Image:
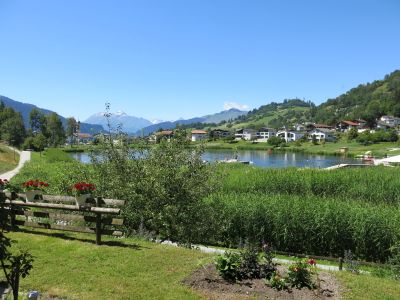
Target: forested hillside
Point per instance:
(367, 101)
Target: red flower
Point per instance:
(312, 262)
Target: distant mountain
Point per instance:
(225, 115)
(25, 109)
(130, 124)
(214, 118)
(156, 121)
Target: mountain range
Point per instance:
(130, 124)
(139, 126)
(225, 115)
(25, 109)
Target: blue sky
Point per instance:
(172, 59)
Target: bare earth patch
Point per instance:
(207, 281)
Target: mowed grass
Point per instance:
(368, 287)
(7, 161)
(71, 266)
(74, 268)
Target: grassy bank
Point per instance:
(354, 148)
(7, 161)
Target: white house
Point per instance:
(390, 121)
(246, 134)
(321, 134)
(198, 135)
(265, 133)
(289, 135)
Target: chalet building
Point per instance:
(321, 134)
(322, 126)
(346, 125)
(158, 136)
(264, 134)
(83, 138)
(219, 133)
(290, 135)
(245, 134)
(199, 135)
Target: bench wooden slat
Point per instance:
(67, 217)
(102, 210)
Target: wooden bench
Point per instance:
(50, 213)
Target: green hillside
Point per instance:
(276, 115)
(367, 101)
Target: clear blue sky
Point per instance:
(171, 59)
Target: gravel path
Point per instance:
(24, 156)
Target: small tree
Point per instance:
(15, 266)
(352, 134)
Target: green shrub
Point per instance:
(228, 266)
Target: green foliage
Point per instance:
(54, 130)
(12, 127)
(278, 282)
(247, 264)
(16, 265)
(37, 121)
(366, 137)
(228, 266)
(164, 186)
(275, 141)
(250, 266)
(352, 134)
(394, 260)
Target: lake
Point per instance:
(263, 158)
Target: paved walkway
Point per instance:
(24, 156)
(278, 260)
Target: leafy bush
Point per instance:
(250, 266)
(394, 260)
(228, 266)
(278, 282)
(234, 266)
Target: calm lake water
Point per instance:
(264, 158)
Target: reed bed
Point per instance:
(375, 184)
(308, 224)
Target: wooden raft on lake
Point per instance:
(50, 213)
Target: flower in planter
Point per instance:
(83, 192)
(82, 188)
(33, 189)
(35, 185)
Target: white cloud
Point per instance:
(229, 105)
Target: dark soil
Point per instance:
(207, 281)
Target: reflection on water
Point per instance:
(264, 158)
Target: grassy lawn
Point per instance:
(71, 265)
(7, 161)
(367, 287)
(75, 268)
